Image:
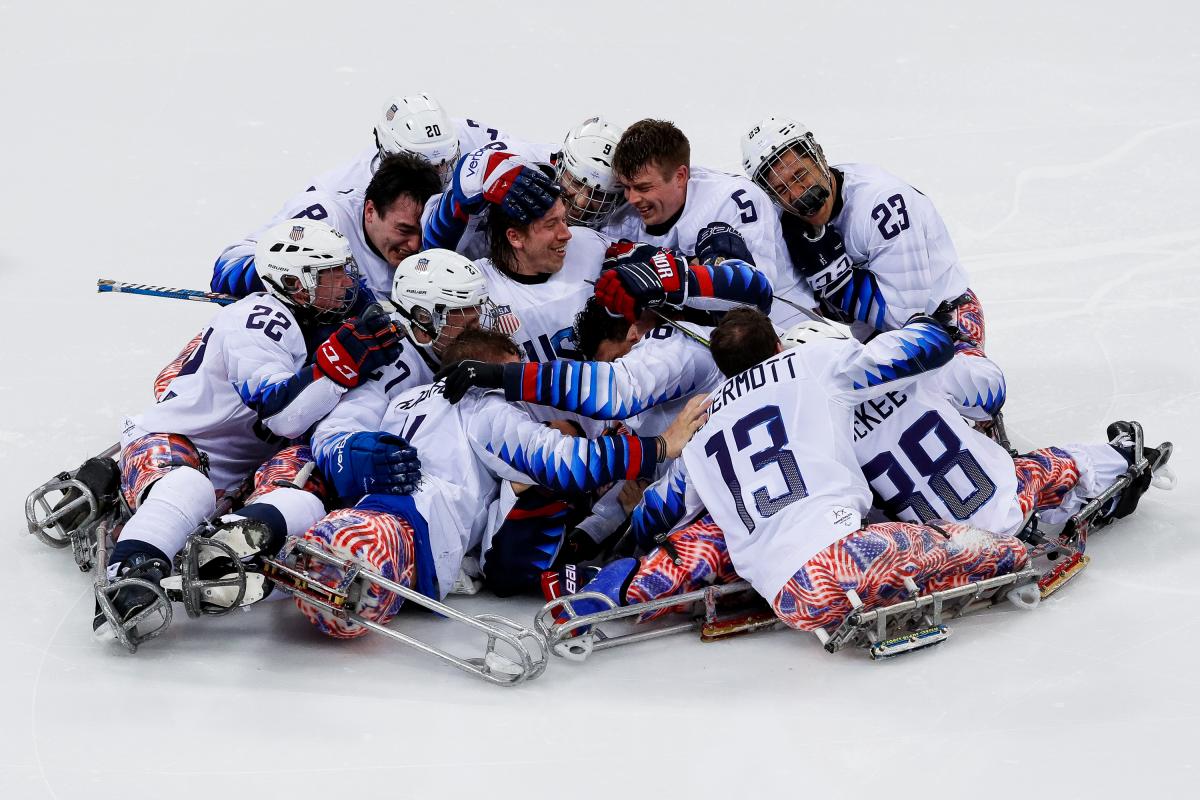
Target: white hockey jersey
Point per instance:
(343, 211)
(894, 231)
(357, 173)
(774, 465)
(237, 397)
(467, 448)
(924, 462)
(714, 196)
(539, 314)
(363, 407)
(645, 388)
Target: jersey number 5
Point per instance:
(747, 206)
(773, 455)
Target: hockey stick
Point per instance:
(108, 285)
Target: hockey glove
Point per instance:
(460, 377)
(522, 191)
(618, 252)
(657, 279)
(373, 462)
(822, 260)
(359, 346)
(718, 241)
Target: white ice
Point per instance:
(1059, 141)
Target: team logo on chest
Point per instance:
(506, 322)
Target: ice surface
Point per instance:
(1059, 141)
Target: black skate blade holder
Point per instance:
(45, 522)
(524, 656)
(579, 635)
(1081, 524)
(920, 621)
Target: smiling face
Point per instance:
(657, 194)
(396, 231)
(542, 246)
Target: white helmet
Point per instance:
(307, 264)
(417, 124)
(440, 293)
(766, 144)
(584, 170)
(810, 330)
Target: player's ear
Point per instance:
(370, 212)
(514, 239)
(681, 174)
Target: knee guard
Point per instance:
(972, 554)
(151, 457)
(382, 543)
(282, 470)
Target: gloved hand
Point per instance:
(617, 253)
(520, 189)
(646, 279)
(462, 376)
(822, 260)
(718, 241)
(359, 346)
(373, 462)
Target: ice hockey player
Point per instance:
(873, 249)
(382, 223)
(439, 295)
(414, 124)
(263, 374)
(775, 468)
(467, 449)
(925, 463)
(671, 202)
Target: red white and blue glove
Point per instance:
(646, 277)
(520, 189)
(360, 345)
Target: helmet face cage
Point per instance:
(327, 299)
(443, 324)
(796, 163)
(587, 204)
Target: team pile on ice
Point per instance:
(466, 361)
